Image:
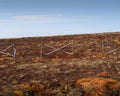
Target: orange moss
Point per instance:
(97, 86)
(102, 56)
(32, 89)
(19, 93)
(104, 73)
(24, 86)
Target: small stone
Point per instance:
(3, 66)
(21, 75)
(14, 82)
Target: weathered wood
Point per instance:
(8, 54)
(60, 48)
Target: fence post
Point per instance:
(41, 50)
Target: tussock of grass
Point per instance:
(98, 86)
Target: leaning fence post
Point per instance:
(14, 49)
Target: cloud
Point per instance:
(27, 17)
(31, 19)
(38, 19)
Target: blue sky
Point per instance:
(26, 18)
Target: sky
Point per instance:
(28, 18)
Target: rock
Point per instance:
(3, 66)
(14, 82)
(21, 75)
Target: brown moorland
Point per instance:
(70, 65)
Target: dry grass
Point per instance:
(97, 86)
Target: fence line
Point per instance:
(103, 45)
(8, 54)
(56, 49)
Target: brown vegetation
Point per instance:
(98, 86)
(95, 63)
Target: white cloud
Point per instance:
(38, 19)
(31, 19)
(28, 17)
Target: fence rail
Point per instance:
(4, 51)
(46, 49)
(44, 45)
